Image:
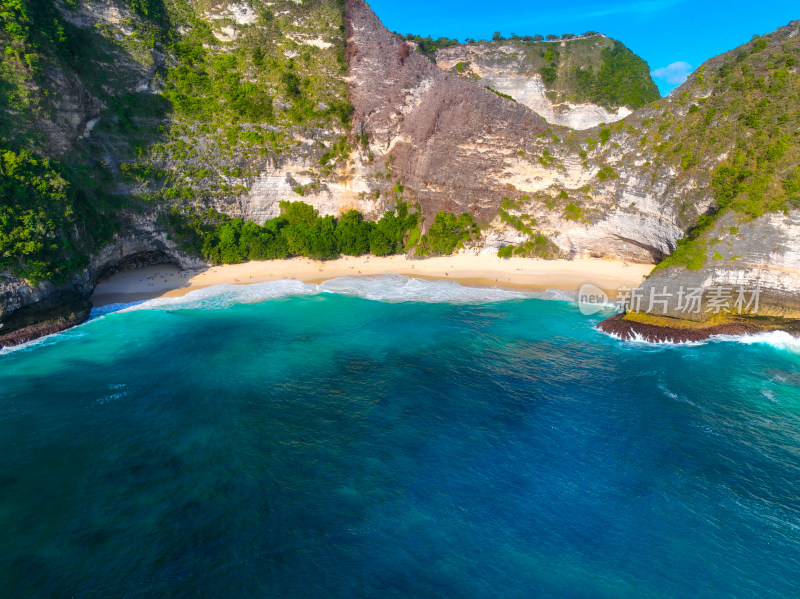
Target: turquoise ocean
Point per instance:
(394, 438)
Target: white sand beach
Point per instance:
(486, 271)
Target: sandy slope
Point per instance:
(514, 273)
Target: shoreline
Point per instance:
(519, 274)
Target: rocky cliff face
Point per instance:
(508, 68)
(30, 311)
(459, 147)
(741, 258)
(752, 268)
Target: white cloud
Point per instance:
(674, 74)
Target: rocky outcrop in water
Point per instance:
(676, 331)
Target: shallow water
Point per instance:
(289, 440)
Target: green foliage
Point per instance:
(691, 254)
(338, 151)
(203, 86)
(549, 75)
(502, 95)
(447, 233)
(505, 252)
(547, 159)
(791, 184)
(47, 219)
(604, 135)
(623, 80)
(760, 45)
(573, 212)
(539, 246)
(523, 223)
(606, 173)
(152, 9)
(298, 231)
(427, 45)
(352, 234)
(509, 204)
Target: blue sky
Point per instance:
(673, 36)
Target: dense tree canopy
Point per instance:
(44, 219)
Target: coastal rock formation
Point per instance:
(669, 330)
(462, 148)
(31, 311)
(507, 67)
(448, 139)
(757, 257)
(741, 258)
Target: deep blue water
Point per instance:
(327, 445)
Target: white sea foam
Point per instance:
(395, 288)
(44, 341)
(385, 288)
(637, 338)
(777, 339)
(23, 346)
(224, 296)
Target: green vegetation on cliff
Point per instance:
(427, 45)
(164, 103)
(623, 79)
(752, 118)
(447, 233)
(592, 68)
(48, 220)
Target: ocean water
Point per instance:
(394, 438)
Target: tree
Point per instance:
(551, 37)
(353, 234)
(497, 36)
(549, 75)
(298, 213)
(538, 38)
(447, 232)
(379, 243)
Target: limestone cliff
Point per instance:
(556, 79)
(741, 255)
(460, 147)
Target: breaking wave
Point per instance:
(780, 340)
(777, 339)
(384, 288)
